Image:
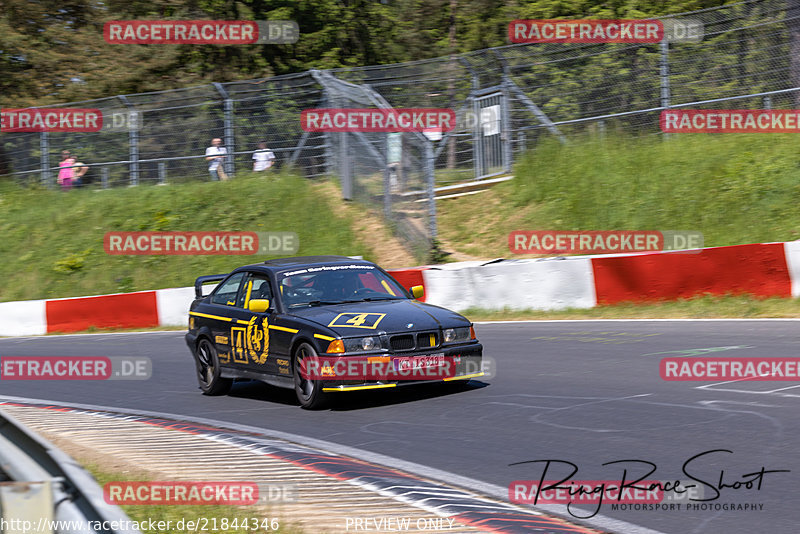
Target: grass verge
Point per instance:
(52, 242)
(177, 518)
(733, 188)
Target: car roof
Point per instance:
(280, 264)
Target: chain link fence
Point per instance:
(505, 98)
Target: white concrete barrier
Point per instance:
(23, 318)
(515, 284)
(173, 306)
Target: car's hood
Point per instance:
(397, 315)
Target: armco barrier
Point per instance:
(759, 270)
(173, 305)
(123, 310)
(142, 309)
(410, 278)
(791, 251)
(516, 284)
(763, 270)
(23, 318)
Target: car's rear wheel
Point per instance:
(309, 392)
(208, 369)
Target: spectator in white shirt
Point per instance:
(215, 154)
(263, 158)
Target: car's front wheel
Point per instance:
(208, 369)
(309, 392)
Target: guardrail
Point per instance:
(549, 283)
(47, 492)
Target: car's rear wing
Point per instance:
(198, 284)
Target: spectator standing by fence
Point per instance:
(66, 172)
(215, 154)
(263, 158)
(78, 174)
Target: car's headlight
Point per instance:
(362, 344)
(456, 335)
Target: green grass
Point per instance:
(52, 242)
(701, 307)
(199, 515)
(733, 188)
(452, 176)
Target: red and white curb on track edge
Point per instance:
(388, 476)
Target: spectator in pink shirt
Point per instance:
(66, 173)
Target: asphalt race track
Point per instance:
(586, 392)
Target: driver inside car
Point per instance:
(337, 286)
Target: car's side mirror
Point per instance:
(418, 291)
(258, 305)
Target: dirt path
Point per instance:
(369, 228)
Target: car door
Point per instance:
(254, 339)
(226, 317)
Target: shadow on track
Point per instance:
(355, 400)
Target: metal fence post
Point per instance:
(227, 129)
(326, 101)
(133, 140)
(505, 134)
(230, 143)
(330, 159)
(162, 173)
(477, 140)
(430, 185)
(346, 170)
(44, 158)
(387, 193)
(133, 135)
(505, 114)
(104, 176)
(664, 71)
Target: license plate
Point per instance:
(418, 362)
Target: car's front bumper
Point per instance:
(467, 361)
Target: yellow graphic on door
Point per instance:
(251, 341)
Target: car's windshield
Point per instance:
(335, 284)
